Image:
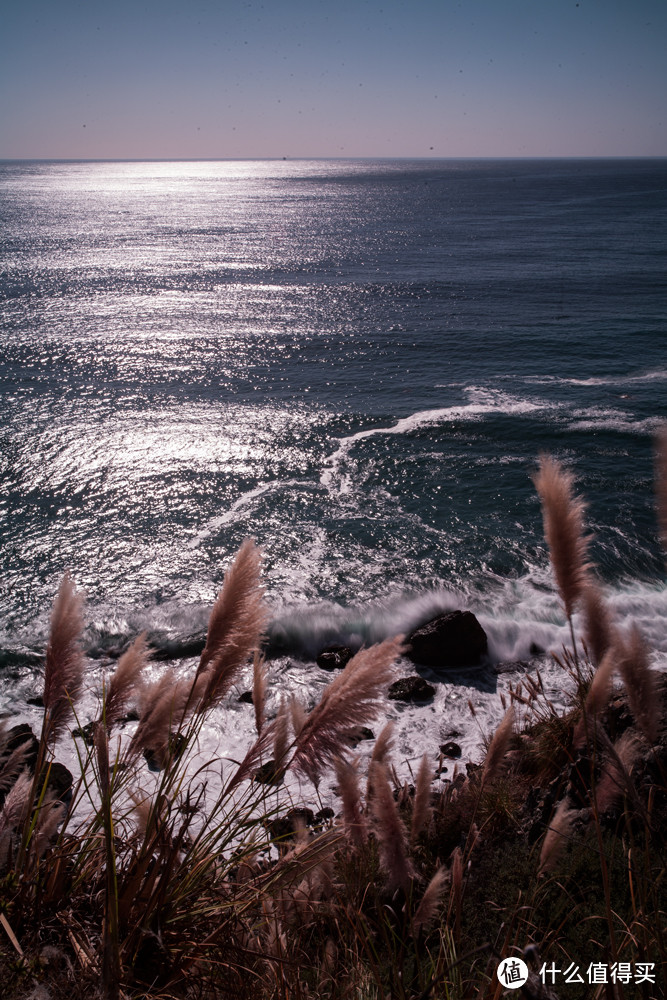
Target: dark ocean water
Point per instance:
(355, 362)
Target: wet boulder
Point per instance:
(411, 689)
(334, 657)
(454, 639)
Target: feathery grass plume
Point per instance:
(615, 778)
(353, 698)
(661, 484)
(123, 683)
(354, 820)
(384, 744)
(101, 744)
(235, 627)
(498, 747)
(281, 736)
(563, 515)
(455, 909)
(640, 683)
(51, 815)
(13, 765)
(597, 698)
(430, 901)
(142, 812)
(299, 715)
(556, 838)
(163, 705)
(421, 805)
(63, 675)
(600, 687)
(389, 830)
(14, 814)
(260, 676)
(598, 629)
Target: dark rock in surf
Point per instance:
(181, 647)
(58, 778)
(59, 781)
(411, 689)
(455, 639)
(157, 757)
(284, 827)
(85, 733)
(355, 735)
(17, 736)
(334, 657)
(269, 774)
(451, 750)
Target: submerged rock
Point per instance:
(455, 639)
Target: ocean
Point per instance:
(355, 362)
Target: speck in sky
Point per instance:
(142, 79)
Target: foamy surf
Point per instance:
(484, 402)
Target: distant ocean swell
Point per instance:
(355, 363)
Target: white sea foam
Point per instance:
(614, 420)
(659, 375)
(483, 401)
(229, 516)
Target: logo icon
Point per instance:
(512, 973)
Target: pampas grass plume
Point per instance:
(260, 676)
(389, 830)
(63, 675)
(125, 680)
(299, 715)
(13, 765)
(353, 698)
(281, 736)
(421, 806)
(597, 698)
(640, 683)
(237, 620)
(14, 814)
(615, 778)
(430, 901)
(598, 630)
(556, 837)
(563, 516)
(354, 820)
(164, 704)
(498, 747)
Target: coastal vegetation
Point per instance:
(203, 879)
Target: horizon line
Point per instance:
(287, 159)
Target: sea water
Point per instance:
(355, 362)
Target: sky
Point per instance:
(160, 79)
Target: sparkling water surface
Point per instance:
(355, 362)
